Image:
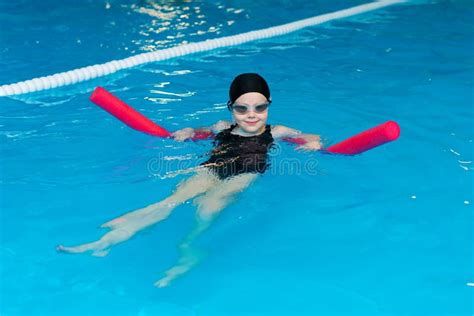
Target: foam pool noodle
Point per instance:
(132, 117)
(371, 138)
(354, 145)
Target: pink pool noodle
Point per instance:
(376, 136)
(125, 113)
(361, 142)
(357, 144)
(198, 135)
(133, 118)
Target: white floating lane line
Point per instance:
(99, 70)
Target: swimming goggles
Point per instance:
(242, 109)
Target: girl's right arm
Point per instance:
(189, 132)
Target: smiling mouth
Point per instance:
(251, 123)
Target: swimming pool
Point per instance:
(388, 232)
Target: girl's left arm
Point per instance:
(305, 141)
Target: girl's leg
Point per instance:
(185, 190)
(133, 222)
(209, 205)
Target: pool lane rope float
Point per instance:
(354, 145)
(99, 70)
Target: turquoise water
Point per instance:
(388, 232)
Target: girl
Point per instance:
(239, 155)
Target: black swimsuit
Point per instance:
(235, 154)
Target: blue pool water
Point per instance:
(388, 232)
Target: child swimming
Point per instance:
(240, 154)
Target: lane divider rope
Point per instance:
(99, 70)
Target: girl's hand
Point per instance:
(313, 143)
(183, 134)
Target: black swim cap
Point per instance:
(249, 82)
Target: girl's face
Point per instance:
(252, 121)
